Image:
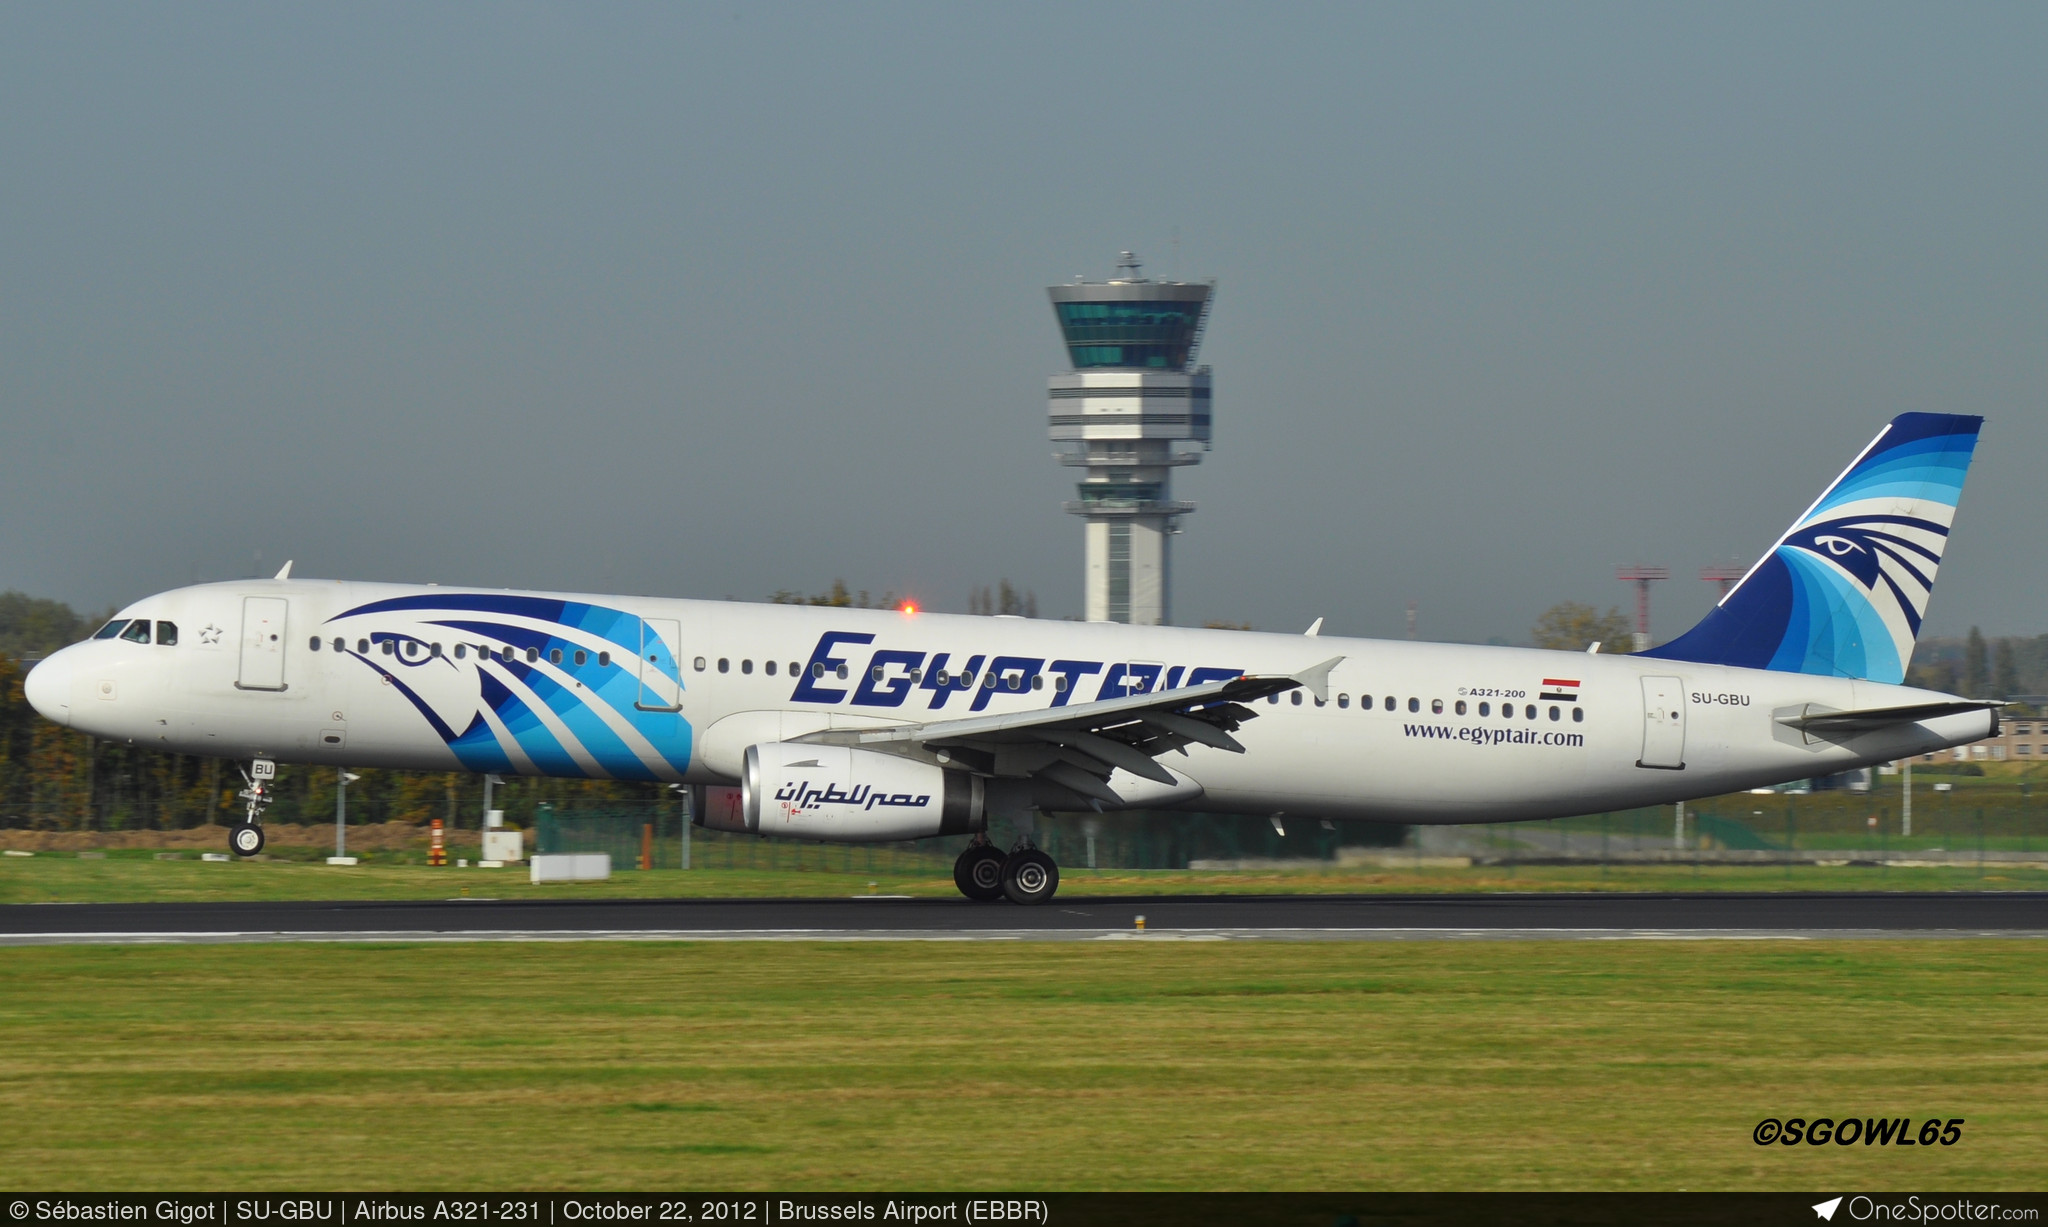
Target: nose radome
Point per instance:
(48, 687)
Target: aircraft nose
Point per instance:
(48, 687)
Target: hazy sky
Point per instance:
(712, 301)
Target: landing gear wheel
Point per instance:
(979, 873)
(245, 839)
(1029, 876)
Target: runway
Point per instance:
(1489, 917)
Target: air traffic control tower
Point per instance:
(1133, 397)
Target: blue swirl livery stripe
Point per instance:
(1844, 591)
(522, 709)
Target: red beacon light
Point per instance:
(909, 607)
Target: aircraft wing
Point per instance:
(1883, 717)
(1076, 748)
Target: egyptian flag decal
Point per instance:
(1560, 690)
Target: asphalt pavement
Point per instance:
(1821, 915)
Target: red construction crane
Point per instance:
(1642, 577)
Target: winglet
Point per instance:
(1593, 649)
(1317, 679)
(285, 571)
(1314, 629)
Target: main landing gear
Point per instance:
(245, 838)
(1025, 876)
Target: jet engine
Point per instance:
(855, 796)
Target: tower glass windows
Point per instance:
(1155, 334)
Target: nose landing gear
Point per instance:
(245, 838)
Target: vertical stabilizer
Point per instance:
(1843, 591)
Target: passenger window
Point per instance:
(533, 656)
(314, 643)
(581, 656)
(461, 650)
(1038, 681)
(1529, 710)
(1507, 711)
(746, 666)
(1485, 709)
(795, 668)
(700, 664)
(1343, 700)
(137, 632)
(1461, 707)
(1273, 698)
(554, 656)
(1322, 702)
(1296, 695)
(410, 650)
(724, 665)
(363, 647)
(768, 667)
(1390, 702)
(876, 673)
(1415, 705)
(1059, 684)
(1578, 715)
(390, 648)
(111, 629)
(604, 659)
(167, 634)
(818, 670)
(340, 644)
(435, 652)
(1553, 713)
(1436, 707)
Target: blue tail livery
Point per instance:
(1842, 592)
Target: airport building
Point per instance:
(1133, 398)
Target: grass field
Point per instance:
(133, 877)
(1126, 1065)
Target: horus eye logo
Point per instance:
(1897, 553)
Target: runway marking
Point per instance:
(214, 937)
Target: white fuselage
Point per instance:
(447, 679)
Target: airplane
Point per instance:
(855, 725)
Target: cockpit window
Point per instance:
(137, 632)
(167, 634)
(111, 629)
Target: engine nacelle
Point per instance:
(855, 796)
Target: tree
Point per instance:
(837, 598)
(1571, 627)
(32, 626)
(1976, 678)
(1004, 600)
(2005, 680)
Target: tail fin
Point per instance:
(1842, 592)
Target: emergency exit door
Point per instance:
(661, 687)
(1663, 723)
(262, 643)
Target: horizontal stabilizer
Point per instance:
(1884, 717)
